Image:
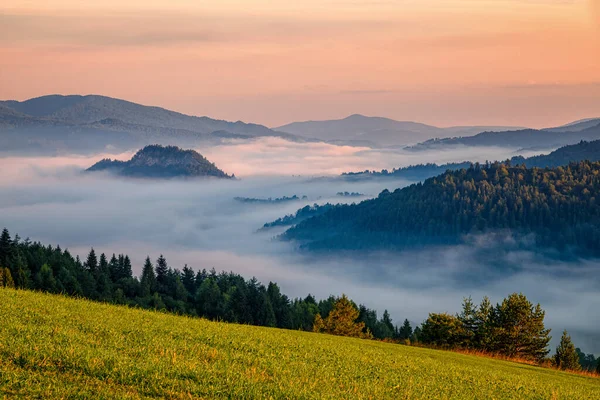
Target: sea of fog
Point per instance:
(199, 223)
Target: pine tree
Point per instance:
(148, 281)
(521, 330)
(468, 317)
(5, 248)
(598, 366)
(566, 356)
(92, 262)
(318, 324)
(113, 267)
(162, 271)
(341, 320)
(405, 331)
(45, 279)
(6, 280)
(188, 279)
(387, 321)
(126, 271)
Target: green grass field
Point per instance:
(54, 347)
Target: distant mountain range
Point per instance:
(87, 124)
(157, 161)
(376, 131)
(90, 124)
(525, 138)
(563, 156)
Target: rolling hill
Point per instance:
(87, 124)
(376, 131)
(55, 347)
(558, 208)
(157, 161)
(521, 139)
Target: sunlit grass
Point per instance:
(54, 347)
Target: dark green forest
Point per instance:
(221, 296)
(559, 206)
(513, 328)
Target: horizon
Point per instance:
(533, 63)
(564, 123)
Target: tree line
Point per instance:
(514, 327)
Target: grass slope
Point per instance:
(54, 347)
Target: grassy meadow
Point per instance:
(55, 347)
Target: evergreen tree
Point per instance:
(566, 356)
(443, 330)
(45, 279)
(148, 281)
(468, 317)
(188, 279)
(520, 329)
(341, 320)
(92, 262)
(387, 321)
(126, 271)
(6, 280)
(113, 267)
(5, 248)
(405, 331)
(162, 270)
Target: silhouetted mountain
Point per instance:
(375, 131)
(57, 123)
(523, 139)
(157, 161)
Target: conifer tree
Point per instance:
(405, 331)
(5, 248)
(162, 271)
(341, 320)
(92, 262)
(126, 271)
(113, 267)
(45, 279)
(6, 280)
(387, 321)
(521, 330)
(148, 281)
(566, 356)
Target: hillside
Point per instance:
(525, 138)
(54, 347)
(376, 131)
(581, 151)
(560, 206)
(156, 161)
(55, 124)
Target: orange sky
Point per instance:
(445, 62)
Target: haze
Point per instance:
(454, 62)
(198, 223)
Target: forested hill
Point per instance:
(563, 156)
(561, 206)
(157, 161)
(573, 153)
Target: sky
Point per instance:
(444, 62)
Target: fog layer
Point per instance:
(199, 223)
